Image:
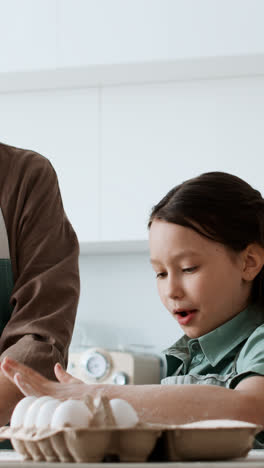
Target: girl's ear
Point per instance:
(253, 261)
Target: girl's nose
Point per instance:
(175, 289)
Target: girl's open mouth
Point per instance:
(185, 316)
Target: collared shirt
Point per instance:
(240, 338)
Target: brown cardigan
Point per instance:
(44, 254)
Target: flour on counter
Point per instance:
(218, 423)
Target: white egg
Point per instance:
(32, 412)
(73, 413)
(19, 412)
(124, 413)
(46, 412)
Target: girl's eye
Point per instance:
(160, 275)
(189, 270)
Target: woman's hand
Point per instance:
(31, 382)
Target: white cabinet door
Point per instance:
(63, 126)
(27, 35)
(156, 136)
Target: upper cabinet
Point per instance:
(63, 126)
(156, 136)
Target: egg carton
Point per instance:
(94, 444)
(91, 444)
(219, 442)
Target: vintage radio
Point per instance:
(94, 365)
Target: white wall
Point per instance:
(42, 34)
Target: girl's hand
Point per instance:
(31, 382)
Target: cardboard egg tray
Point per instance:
(83, 444)
(201, 443)
(136, 444)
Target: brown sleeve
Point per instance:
(44, 253)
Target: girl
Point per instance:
(207, 249)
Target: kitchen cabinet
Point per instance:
(63, 126)
(114, 247)
(154, 136)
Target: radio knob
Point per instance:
(95, 364)
(120, 378)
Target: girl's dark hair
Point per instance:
(222, 207)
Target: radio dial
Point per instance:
(120, 378)
(96, 364)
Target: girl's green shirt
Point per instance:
(223, 357)
(214, 353)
